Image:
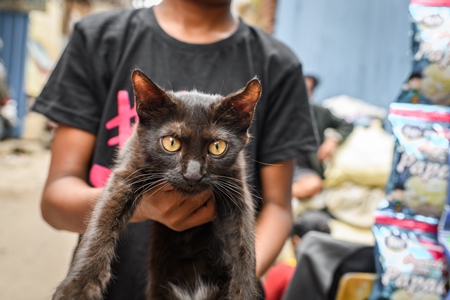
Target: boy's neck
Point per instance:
(196, 21)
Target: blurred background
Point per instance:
(359, 49)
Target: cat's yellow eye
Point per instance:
(171, 144)
(217, 147)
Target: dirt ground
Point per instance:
(34, 257)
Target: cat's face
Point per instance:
(193, 140)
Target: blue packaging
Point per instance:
(419, 176)
(409, 260)
(429, 81)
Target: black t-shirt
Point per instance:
(90, 89)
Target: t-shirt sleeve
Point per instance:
(69, 95)
(288, 131)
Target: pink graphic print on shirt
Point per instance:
(99, 174)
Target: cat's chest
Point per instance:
(202, 242)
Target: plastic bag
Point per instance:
(429, 82)
(359, 160)
(410, 263)
(419, 173)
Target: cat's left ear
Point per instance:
(149, 97)
(244, 100)
(146, 90)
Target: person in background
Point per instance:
(411, 90)
(180, 45)
(331, 131)
(8, 107)
(278, 277)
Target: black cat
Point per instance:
(193, 142)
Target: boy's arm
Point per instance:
(67, 199)
(275, 220)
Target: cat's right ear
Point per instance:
(239, 107)
(148, 96)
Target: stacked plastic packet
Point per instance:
(410, 262)
(444, 234)
(412, 226)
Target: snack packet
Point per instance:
(444, 234)
(419, 174)
(410, 262)
(429, 82)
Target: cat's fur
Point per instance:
(212, 261)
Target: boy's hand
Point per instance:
(327, 149)
(175, 210)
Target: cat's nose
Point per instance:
(193, 172)
(192, 178)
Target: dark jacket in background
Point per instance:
(324, 120)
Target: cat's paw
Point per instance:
(83, 285)
(77, 291)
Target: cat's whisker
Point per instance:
(180, 201)
(230, 191)
(224, 113)
(220, 90)
(265, 164)
(146, 179)
(253, 192)
(148, 187)
(233, 187)
(157, 185)
(148, 174)
(231, 198)
(156, 188)
(222, 199)
(170, 84)
(145, 182)
(145, 176)
(138, 170)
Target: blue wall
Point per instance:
(357, 47)
(13, 32)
